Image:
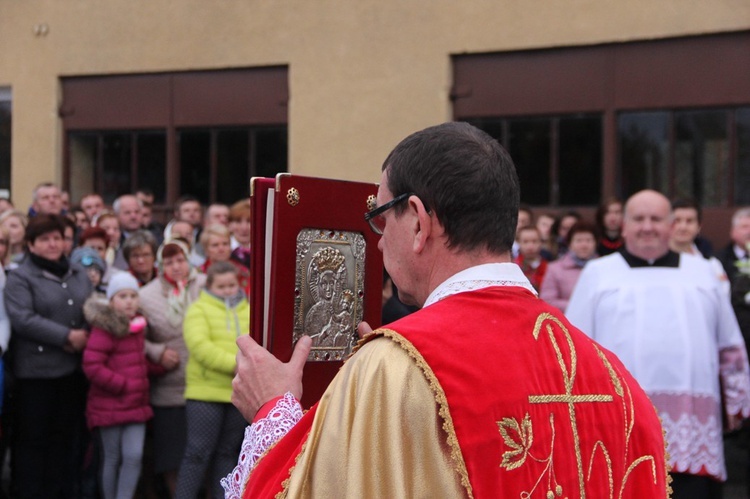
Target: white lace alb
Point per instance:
(259, 437)
(693, 444)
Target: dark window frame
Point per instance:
(555, 177)
(609, 79)
(243, 97)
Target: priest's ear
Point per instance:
(427, 225)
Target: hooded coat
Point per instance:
(115, 364)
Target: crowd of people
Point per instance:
(118, 371)
(128, 370)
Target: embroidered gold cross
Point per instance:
(568, 378)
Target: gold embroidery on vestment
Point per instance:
(667, 466)
(518, 436)
(515, 457)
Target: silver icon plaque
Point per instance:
(329, 291)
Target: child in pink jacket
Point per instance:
(118, 400)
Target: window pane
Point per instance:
(116, 162)
(83, 154)
(233, 166)
(643, 153)
(742, 177)
(580, 160)
(702, 156)
(5, 141)
(195, 161)
(270, 153)
(529, 146)
(152, 163)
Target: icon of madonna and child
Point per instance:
(330, 320)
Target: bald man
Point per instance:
(664, 314)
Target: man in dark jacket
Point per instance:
(734, 258)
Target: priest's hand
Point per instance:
(261, 377)
(363, 329)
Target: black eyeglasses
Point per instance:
(377, 223)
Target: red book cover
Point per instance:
(320, 272)
(259, 187)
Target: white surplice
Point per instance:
(675, 330)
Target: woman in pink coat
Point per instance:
(562, 275)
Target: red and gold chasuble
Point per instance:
(530, 407)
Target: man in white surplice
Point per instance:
(666, 317)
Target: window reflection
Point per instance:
(742, 176)
(235, 155)
(701, 155)
(83, 158)
(103, 162)
(270, 152)
(233, 162)
(116, 160)
(195, 163)
(5, 140)
(215, 164)
(644, 148)
(152, 163)
(558, 159)
(529, 146)
(684, 154)
(580, 160)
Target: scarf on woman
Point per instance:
(56, 267)
(178, 298)
(581, 262)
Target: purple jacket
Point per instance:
(559, 281)
(115, 363)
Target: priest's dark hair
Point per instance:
(465, 177)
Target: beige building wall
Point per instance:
(362, 73)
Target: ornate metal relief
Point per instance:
(329, 291)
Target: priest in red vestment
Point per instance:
(486, 392)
